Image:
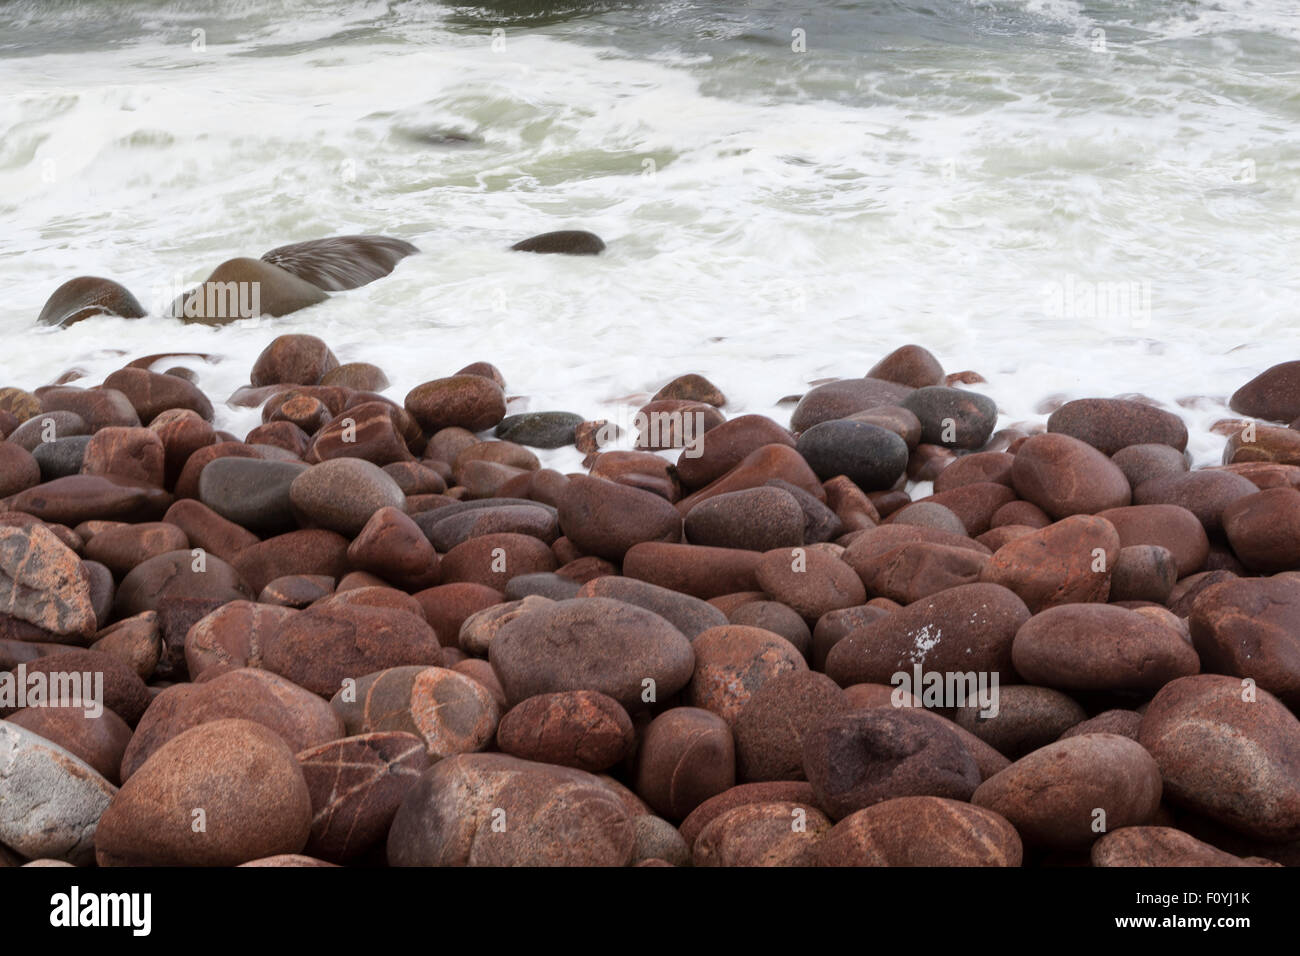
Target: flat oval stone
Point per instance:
(592, 644)
(756, 519)
(1100, 647)
(605, 518)
(843, 398)
(953, 417)
(870, 456)
(688, 614)
(1060, 795)
(1229, 751)
(921, 831)
(343, 493)
(251, 492)
(809, 581)
(497, 810)
(761, 834)
(1065, 476)
(580, 728)
(1109, 424)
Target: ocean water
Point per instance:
(1072, 199)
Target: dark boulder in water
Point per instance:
(341, 262)
(245, 288)
(84, 296)
(570, 242)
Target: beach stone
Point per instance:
(447, 606)
(820, 523)
(132, 454)
(292, 360)
(99, 407)
(776, 791)
(87, 296)
(775, 617)
(371, 431)
(606, 519)
(312, 551)
(910, 365)
(870, 456)
(929, 514)
(569, 242)
(894, 418)
(843, 398)
(178, 574)
(1100, 647)
(921, 831)
(296, 590)
(758, 468)
(770, 726)
(690, 615)
(494, 559)
(456, 523)
(1172, 527)
(553, 816)
(540, 429)
(415, 478)
(244, 285)
(235, 635)
(756, 519)
(1228, 752)
(686, 756)
(182, 433)
(952, 417)
(393, 547)
(22, 405)
(479, 629)
(1122, 722)
(1065, 476)
(187, 482)
(1143, 572)
(42, 582)
(343, 494)
(450, 712)
(658, 843)
(240, 774)
(1250, 628)
(672, 423)
(123, 691)
(833, 626)
(124, 547)
(1052, 796)
(913, 571)
(151, 393)
(299, 717)
(761, 834)
(967, 628)
(1161, 847)
(850, 504)
(1027, 718)
(321, 648)
(1262, 444)
(1143, 462)
(692, 388)
(734, 661)
(978, 468)
(596, 644)
(98, 741)
(59, 458)
(1264, 529)
(975, 504)
(341, 262)
(1273, 395)
(464, 401)
(1109, 424)
(546, 584)
(362, 376)
(583, 729)
(863, 757)
(18, 469)
(693, 569)
(53, 800)
(1204, 493)
(45, 428)
(727, 446)
(1068, 562)
(809, 581)
(251, 493)
(356, 785)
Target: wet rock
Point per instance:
(342, 494)
(606, 519)
(244, 288)
(87, 296)
(42, 583)
(1168, 526)
(870, 456)
(151, 393)
(952, 417)
(1264, 529)
(919, 569)
(540, 429)
(692, 388)
(690, 615)
(18, 469)
(844, 398)
(757, 519)
(569, 242)
(341, 262)
(909, 365)
(1109, 424)
(250, 492)
(1273, 395)
(464, 401)
(1204, 493)
(1070, 561)
(1065, 476)
(1250, 628)
(732, 662)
